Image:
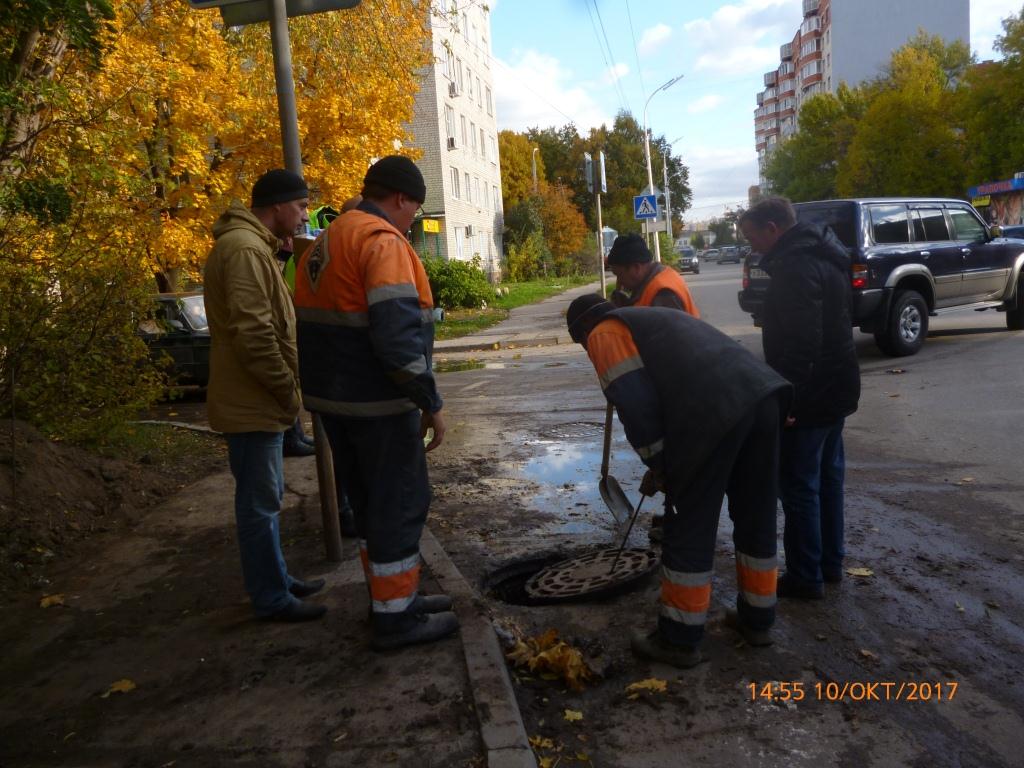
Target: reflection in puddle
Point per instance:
(453, 366)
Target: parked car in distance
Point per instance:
(178, 337)
(911, 258)
(688, 260)
(711, 254)
(730, 254)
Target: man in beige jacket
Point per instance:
(253, 395)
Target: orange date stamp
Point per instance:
(854, 691)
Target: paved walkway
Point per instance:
(532, 325)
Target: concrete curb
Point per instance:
(501, 725)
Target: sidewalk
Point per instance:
(532, 325)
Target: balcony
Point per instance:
(786, 68)
(812, 24)
(811, 6)
(786, 51)
(787, 87)
(770, 78)
(760, 99)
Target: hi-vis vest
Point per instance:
(666, 279)
(365, 321)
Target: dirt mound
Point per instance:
(53, 495)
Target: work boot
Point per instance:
(653, 646)
(759, 638)
(415, 628)
(425, 604)
(297, 611)
(300, 588)
(789, 587)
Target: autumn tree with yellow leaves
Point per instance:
(127, 128)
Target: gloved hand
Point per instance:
(653, 482)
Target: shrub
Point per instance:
(525, 259)
(458, 283)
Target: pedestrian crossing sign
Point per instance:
(645, 207)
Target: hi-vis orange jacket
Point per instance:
(365, 320)
(665, 288)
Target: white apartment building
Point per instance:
(843, 41)
(455, 126)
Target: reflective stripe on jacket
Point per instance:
(661, 280)
(365, 320)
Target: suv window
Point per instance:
(930, 225)
(967, 227)
(839, 217)
(889, 224)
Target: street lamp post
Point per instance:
(533, 162)
(647, 151)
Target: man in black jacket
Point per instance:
(808, 338)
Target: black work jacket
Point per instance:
(807, 328)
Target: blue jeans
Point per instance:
(811, 469)
(257, 465)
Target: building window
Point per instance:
(497, 198)
(465, 132)
(465, 25)
(455, 183)
(460, 237)
(449, 121)
(476, 191)
(490, 107)
(447, 61)
(487, 51)
(483, 152)
(494, 150)
(472, 136)
(469, 83)
(469, 190)
(458, 73)
(479, 93)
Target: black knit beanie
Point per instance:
(278, 186)
(629, 249)
(399, 174)
(592, 305)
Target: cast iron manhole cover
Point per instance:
(574, 430)
(590, 574)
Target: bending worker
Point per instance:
(640, 282)
(366, 334)
(704, 416)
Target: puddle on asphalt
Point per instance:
(453, 366)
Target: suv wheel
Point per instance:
(907, 328)
(1015, 316)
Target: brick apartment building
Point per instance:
(455, 126)
(843, 41)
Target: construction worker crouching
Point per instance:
(365, 334)
(704, 416)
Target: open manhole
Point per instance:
(574, 430)
(560, 577)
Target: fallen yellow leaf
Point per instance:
(572, 715)
(552, 658)
(545, 762)
(541, 742)
(652, 684)
(959, 607)
(868, 654)
(583, 757)
(51, 600)
(864, 572)
(121, 686)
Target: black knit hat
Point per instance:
(590, 305)
(399, 174)
(278, 186)
(629, 249)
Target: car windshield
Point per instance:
(839, 217)
(194, 310)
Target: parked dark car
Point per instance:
(688, 260)
(730, 254)
(911, 259)
(178, 337)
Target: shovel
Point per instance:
(611, 491)
(625, 538)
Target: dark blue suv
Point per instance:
(911, 258)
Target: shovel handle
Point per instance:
(607, 441)
(626, 537)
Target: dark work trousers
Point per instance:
(382, 465)
(743, 466)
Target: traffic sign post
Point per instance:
(645, 207)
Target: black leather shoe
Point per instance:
(788, 587)
(299, 611)
(303, 589)
(298, 448)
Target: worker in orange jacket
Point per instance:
(641, 282)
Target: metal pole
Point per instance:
(285, 86)
(647, 152)
(533, 161)
(600, 248)
(668, 203)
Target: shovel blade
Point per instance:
(615, 499)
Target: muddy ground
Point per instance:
(937, 609)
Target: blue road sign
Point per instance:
(645, 207)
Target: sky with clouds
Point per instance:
(581, 61)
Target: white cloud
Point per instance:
(616, 73)
(537, 91)
(987, 23)
(743, 38)
(704, 104)
(719, 178)
(653, 37)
